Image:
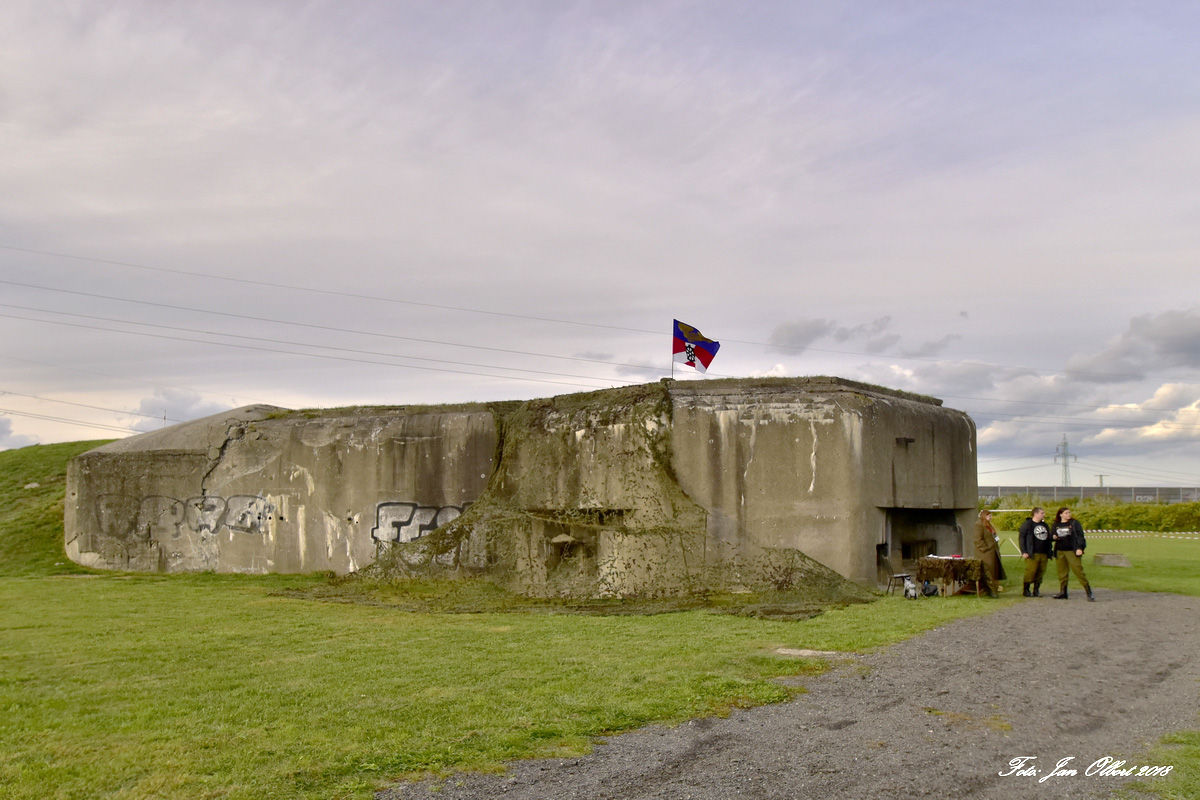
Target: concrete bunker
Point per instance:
(658, 488)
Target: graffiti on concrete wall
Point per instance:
(403, 522)
(162, 518)
(248, 513)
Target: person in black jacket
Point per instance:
(1069, 544)
(1034, 536)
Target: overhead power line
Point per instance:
(602, 381)
(312, 326)
(331, 328)
(308, 355)
(84, 405)
(1147, 473)
(154, 386)
(300, 344)
(96, 425)
(553, 320)
(1010, 469)
(1070, 423)
(1114, 465)
(328, 292)
(1075, 422)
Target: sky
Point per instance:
(208, 205)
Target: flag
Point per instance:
(692, 348)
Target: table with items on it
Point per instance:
(950, 573)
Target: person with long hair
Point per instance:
(1069, 544)
(987, 550)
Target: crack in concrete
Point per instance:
(234, 431)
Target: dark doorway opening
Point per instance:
(914, 533)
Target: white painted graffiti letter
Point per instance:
(248, 513)
(448, 514)
(160, 518)
(390, 518)
(404, 522)
(205, 514)
(116, 516)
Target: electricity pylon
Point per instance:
(1066, 457)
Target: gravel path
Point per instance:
(940, 715)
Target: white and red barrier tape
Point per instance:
(1103, 534)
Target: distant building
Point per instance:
(1124, 494)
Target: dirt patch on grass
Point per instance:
(940, 715)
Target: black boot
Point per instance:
(1061, 595)
(1025, 590)
(1091, 597)
(1037, 590)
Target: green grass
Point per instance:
(1159, 564)
(204, 686)
(31, 519)
(1181, 751)
(211, 686)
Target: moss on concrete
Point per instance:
(584, 503)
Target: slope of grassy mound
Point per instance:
(32, 484)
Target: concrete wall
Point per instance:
(588, 476)
(262, 490)
(629, 488)
(821, 465)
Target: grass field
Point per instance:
(205, 686)
(1160, 564)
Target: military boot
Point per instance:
(1091, 597)
(1061, 595)
(1037, 590)
(1025, 590)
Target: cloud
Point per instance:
(958, 380)
(1172, 336)
(777, 371)
(177, 405)
(869, 330)
(1171, 415)
(1010, 406)
(880, 344)
(1151, 343)
(585, 161)
(801, 333)
(642, 368)
(931, 348)
(10, 440)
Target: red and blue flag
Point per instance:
(692, 348)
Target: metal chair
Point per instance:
(894, 578)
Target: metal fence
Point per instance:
(1128, 494)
